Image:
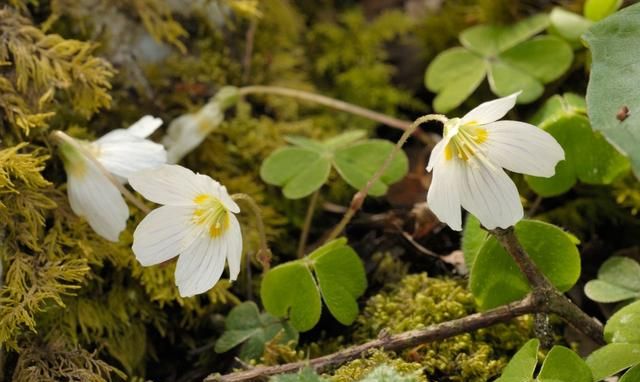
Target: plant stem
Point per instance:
(59, 135)
(336, 104)
(304, 235)
(391, 342)
(358, 197)
(264, 254)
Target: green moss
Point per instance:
(360, 368)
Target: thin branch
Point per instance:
(123, 190)
(264, 254)
(338, 105)
(358, 198)
(391, 342)
(304, 235)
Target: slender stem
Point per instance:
(358, 197)
(304, 235)
(264, 254)
(248, 49)
(332, 103)
(391, 342)
(509, 240)
(123, 190)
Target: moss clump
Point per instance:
(419, 301)
(360, 368)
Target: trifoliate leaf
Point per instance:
(564, 365)
(495, 277)
(503, 53)
(246, 325)
(300, 171)
(618, 280)
(588, 156)
(338, 276)
(290, 290)
(523, 364)
(596, 10)
(305, 375)
(612, 94)
(612, 359)
(623, 326)
(344, 139)
(358, 163)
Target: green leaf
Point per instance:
(612, 359)
(545, 58)
(624, 325)
(588, 156)
(454, 74)
(564, 365)
(384, 373)
(596, 10)
(505, 80)
(473, 237)
(632, 375)
(341, 277)
(290, 290)
(245, 324)
(523, 364)
(305, 375)
(568, 25)
(615, 73)
(306, 143)
(300, 170)
(357, 163)
(344, 139)
(489, 40)
(618, 280)
(496, 279)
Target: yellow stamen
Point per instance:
(465, 143)
(211, 213)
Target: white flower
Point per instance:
(186, 132)
(120, 152)
(197, 222)
(468, 165)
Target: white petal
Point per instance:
(145, 126)
(163, 234)
(489, 194)
(443, 197)
(170, 184)
(94, 197)
(491, 111)
(234, 247)
(126, 155)
(220, 192)
(186, 132)
(523, 148)
(436, 154)
(200, 266)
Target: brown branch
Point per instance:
(391, 342)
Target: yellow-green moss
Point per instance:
(360, 368)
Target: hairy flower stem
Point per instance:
(304, 235)
(358, 197)
(338, 105)
(264, 253)
(62, 137)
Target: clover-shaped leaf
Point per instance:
(505, 54)
(247, 326)
(333, 273)
(568, 25)
(613, 94)
(496, 279)
(303, 169)
(560, 365)
(596, 10)
(588, 156)
(618, 280)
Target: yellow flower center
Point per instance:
(211, 213)
(465, 141)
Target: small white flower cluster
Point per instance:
(197, 220)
